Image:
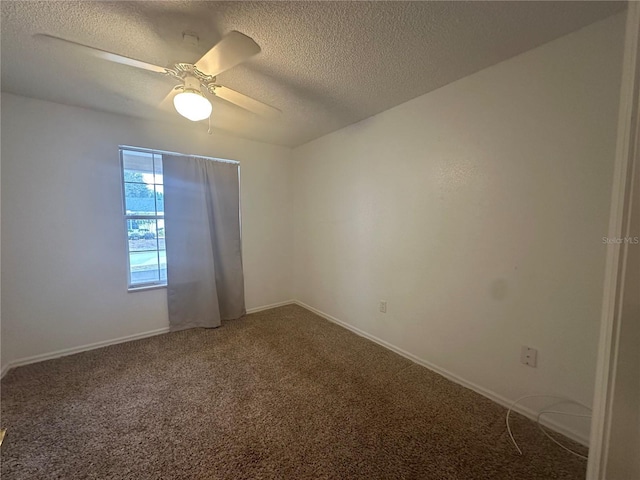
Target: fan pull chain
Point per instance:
(209, 131)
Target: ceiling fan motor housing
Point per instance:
(191, 77)
(192, 84)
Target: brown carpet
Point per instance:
(280, 394)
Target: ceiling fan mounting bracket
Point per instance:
(190, 38)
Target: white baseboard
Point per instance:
(527, 412)
(92, 346)
(82, 348)
(269, 307)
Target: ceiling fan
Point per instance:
(196, 80)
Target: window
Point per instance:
(144, 217)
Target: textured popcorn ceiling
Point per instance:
(324, 64)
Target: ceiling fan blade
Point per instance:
(234, 48)
(96, 52)
(245, 102)
(167, 103)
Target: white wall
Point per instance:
(477, 211)
(623, 461)
(64, 278)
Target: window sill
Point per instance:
(145, 287)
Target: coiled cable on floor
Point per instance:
(547, 412)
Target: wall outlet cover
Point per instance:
(529, 356)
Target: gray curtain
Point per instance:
(205, 283)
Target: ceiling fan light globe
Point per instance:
(192, 105)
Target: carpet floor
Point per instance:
(280, 394)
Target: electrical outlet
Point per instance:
(529, 356)
(383, 306)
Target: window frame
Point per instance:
(121, 148)
(126, 218)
